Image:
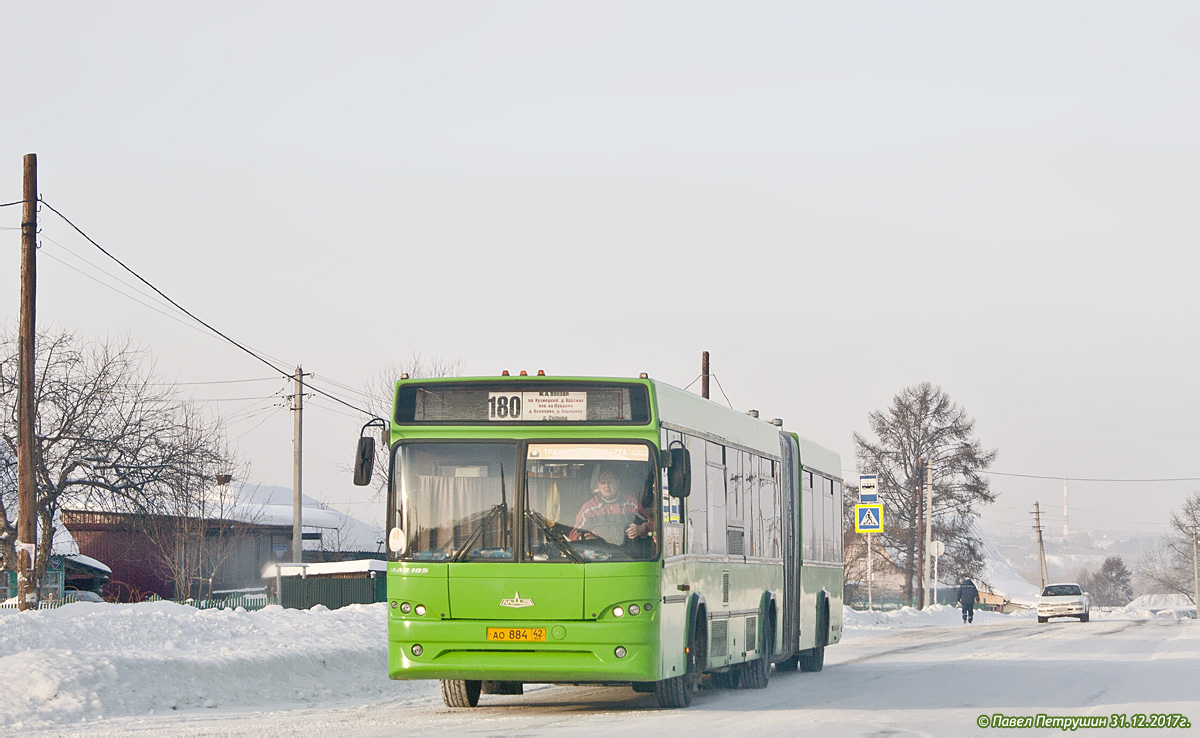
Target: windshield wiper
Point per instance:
(554, 536)
(500, 510)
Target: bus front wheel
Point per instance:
(677, 691)
(461, 692)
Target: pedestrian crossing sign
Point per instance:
(868, 518)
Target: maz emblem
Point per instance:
(516, 601)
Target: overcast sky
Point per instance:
(836, 200)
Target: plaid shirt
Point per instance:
(618, 514)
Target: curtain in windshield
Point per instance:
(456, 500)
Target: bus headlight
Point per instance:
(619, 652)
(420, 609)
(618, 612)
(634, 609)
(406, 608)
(417, 650)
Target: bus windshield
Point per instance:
(456, 500)
(590, 502)
(579, 502)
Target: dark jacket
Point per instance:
(967, 593)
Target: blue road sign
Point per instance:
(868, 518)
(868, 490)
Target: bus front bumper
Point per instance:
(573, 652)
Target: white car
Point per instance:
(1067, 600)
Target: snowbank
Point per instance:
(87, 661)
(1173, 606)
(911, 617)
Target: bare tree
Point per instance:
(923, 427)
(381, 390)
(1169, 564)
(109, 434)
(195, 523)
(8, 501)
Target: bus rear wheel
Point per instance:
(461, 692)
(755, 674)
(813, 659)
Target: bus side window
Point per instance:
(697, 502)
(768, 501)
(811, 528)
(715, 482)
(837, 522)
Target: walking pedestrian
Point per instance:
(967, 595)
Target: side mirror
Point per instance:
(364, 461)
(679, 471)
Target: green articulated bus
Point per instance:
(602, 531)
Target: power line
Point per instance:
(1062, 477)
(100, 269)
(155, 309)
(188, 313)
(269, 415)
(216, 381)
(314, 403)
(130, 286)
(18, 202)
(232, 399)
(125, 294)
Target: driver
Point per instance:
(611, 514)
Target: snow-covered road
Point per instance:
(319, 673)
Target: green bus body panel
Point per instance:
(477, 591)
(747, 583)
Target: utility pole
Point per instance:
(1195, 572)
(920, 540)
(26, 488)
(1037, 525)
(297, 454)
(704, 375)
(929, 585)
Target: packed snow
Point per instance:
(87, 663)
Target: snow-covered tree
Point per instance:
(1111, 585)
(1168, 566)
(925, 428)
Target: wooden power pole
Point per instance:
(1195, 572)
(26, 490)
(1043, 572)
(297, 455)
(704, 375)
